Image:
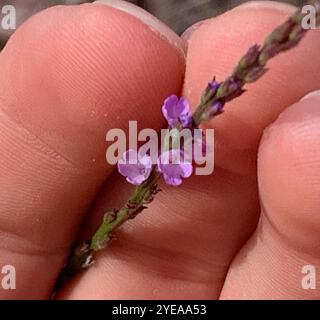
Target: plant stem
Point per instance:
(83, 255)
(142, 196)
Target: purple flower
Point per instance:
(210, 91)
(177, 111)
(216, 108)
(213, 85)
(135, 167)
(171, 164)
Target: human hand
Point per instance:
(70, 74)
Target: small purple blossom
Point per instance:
(135, 167)
(173, 167)
(177, 111)
(213, 85)
(216, 108)
(210, 91)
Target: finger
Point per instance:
(182, 247)
(244, 117)
(271, 265)
(66, 78)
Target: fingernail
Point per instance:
(311, 95)
(189, 32)
(280, 6)
(148, 19)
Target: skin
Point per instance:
(244, 232)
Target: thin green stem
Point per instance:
(142, 196)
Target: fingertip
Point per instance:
(214, 50)
(216, 45)
(250, 5)
(268, 5)
(289, 173)
(68, 75)
(76, 69)
(149, 20)
(312, 94)
(187, 34)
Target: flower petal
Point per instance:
(130, 157)
(173, 181)
(183, 107)
(138, 170)
(186, 120)
(187, 170)
(169, 106)
(136, 181)
(171, 165)
(145, 160)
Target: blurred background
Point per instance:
(178, 14)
